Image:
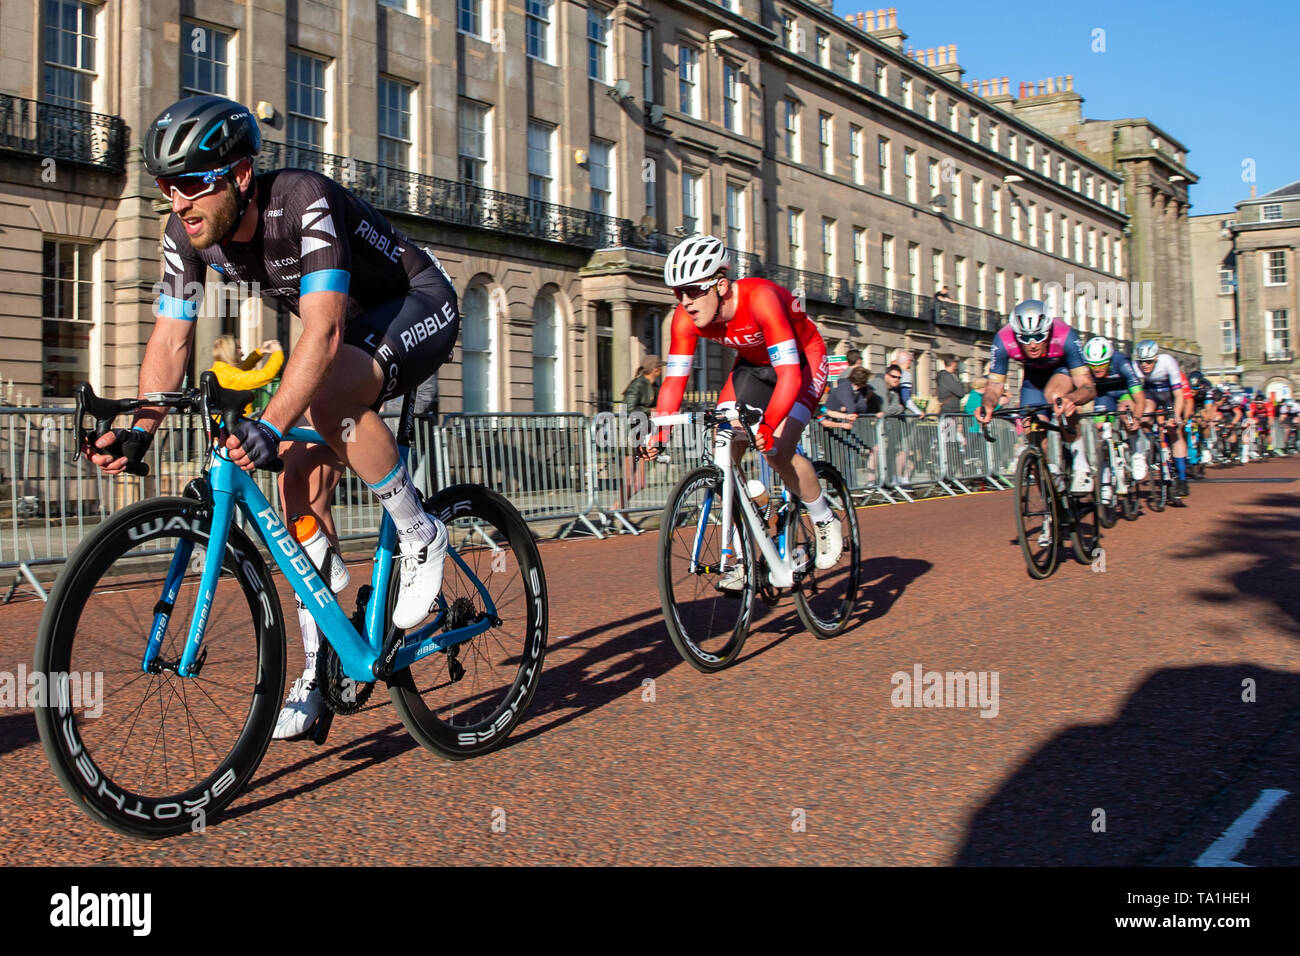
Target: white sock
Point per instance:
(1080, 455)
(310, 637)
(396, 493)
(819, 510)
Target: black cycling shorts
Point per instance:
(409, 337)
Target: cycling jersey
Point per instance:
(769, 328)
(312, 235)
(1165, 375)
(1121, 381)
(1064, 352)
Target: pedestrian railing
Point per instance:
(566, 473)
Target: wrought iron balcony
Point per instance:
(416, 194)
(1279, 356)
(62, 134)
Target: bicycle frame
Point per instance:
(779, 566)
(359, 653)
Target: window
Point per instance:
(735, 217)
(598, 23)
(1033, 224)
(692, 185)
(1012, 139)
(469, 17)
(205, 60)
(1227, 337)
(1015, 220)
(1047, 230)
(647, 66)
(995, 207)
(828, 246)
(67, 316)
(953, 122)
(932, 177)
(794, 221)
(825, 151)
(1000, 291)
(931, 106)
(789, 33)
(909, 172)
(546, 354)
(855, 66)
(913, 268)
(859, 255)
(1271, 212)
(541, 182)
(688, 59)
(1092, 248)
(1105, 253)
(69, 54)
(855, 154)
(974, 128)
(1088, 186)
(600, 164)
(1029, 155)
(791, 130)
(394, 123)
(476, 349)
(1277, 327)
(936, 269)
(1074, 178)
(981, 275)
(887, 260)
(1046, 164)
(1101, 193)
(993, 136)
(957, 211)
(306, 105)
(475, 161)
(1227, 280)
(823, 49)
(1078, 242)
(905, 87)
(652, 196)
(1065, 238)
(959, 278)
(882, 79)
(537, 29)
(882, 160)
(1060, 172)
(1118, 248)
(1018, 284)
(977, 201)
(731, 114)
(1275, 267)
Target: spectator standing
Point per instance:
(903, 358)
(246, 374)
(639, 400)
(950, 391)
(972, 401)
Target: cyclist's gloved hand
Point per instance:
(766, 437)
(259, 440)
(128, 443)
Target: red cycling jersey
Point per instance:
(770, 327)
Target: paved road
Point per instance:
(1121, 735)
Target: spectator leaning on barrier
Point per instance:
(852, 394)
(903, 359)
(639, 400)
(972, 401)
(950, 391)
(886, 388)
(243, 374)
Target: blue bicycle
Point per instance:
(176, 607)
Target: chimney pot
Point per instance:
(929, 56)
(1051, 85)
(1069, 82)
(1022, 89)
(893, 21)
(1006, 85)
(861, 19)
(952, 53)
(1252, 192)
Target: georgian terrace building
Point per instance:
(550, 154)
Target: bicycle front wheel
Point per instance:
(146, 752)
(1037, 521)
(824, 598)
(706, 624)
(464, 701)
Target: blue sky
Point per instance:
(1219, 77)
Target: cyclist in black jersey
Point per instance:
(379, 316)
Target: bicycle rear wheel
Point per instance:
(1037, 522)
(824, 598)
(464, 701)
(156, 754)
(1085, 531)
(708, 626)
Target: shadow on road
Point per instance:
(17, 731)
(1155, 771)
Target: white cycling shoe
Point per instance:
(301, 709)
(421, 579)
(1081, 481)
(1045, 536)
(1140, 468)
(733, 580)
(830, 544)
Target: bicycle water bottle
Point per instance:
(321, 552)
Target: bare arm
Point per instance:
(323, 315)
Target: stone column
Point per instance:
(623, 366)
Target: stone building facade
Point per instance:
(550, 153)
(1246, 291)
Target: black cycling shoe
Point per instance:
(1180, 488)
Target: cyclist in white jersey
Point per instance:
(1166, 389)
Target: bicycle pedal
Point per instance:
(320, 730)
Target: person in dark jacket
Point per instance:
(639, 400)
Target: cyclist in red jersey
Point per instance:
(781, 369)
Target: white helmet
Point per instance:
(1030, 319)
(694, 260)
(1098, 350)
(1146, 351)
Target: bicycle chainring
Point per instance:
(342, 694)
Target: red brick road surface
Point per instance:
(1121, 735)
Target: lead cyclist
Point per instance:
(781, 368)
(379, 316)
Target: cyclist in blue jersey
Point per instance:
(1055, 373)
(1167, 390)
(1119, 389)
(379, 316)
